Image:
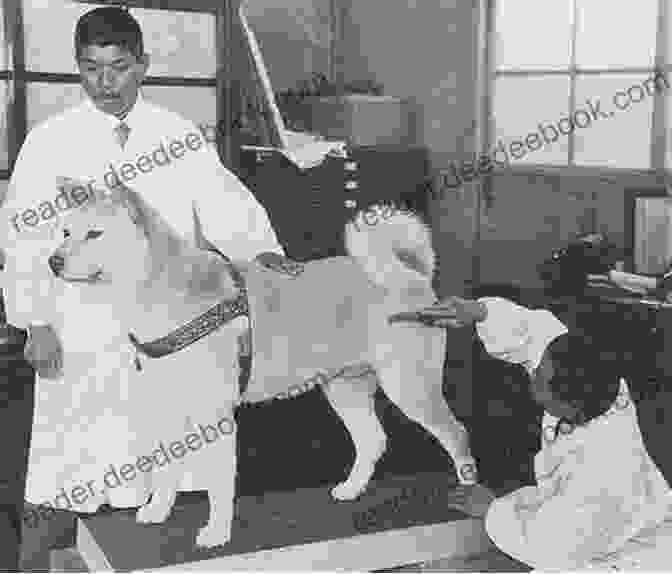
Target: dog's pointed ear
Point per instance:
(136, 207)
(200, 239)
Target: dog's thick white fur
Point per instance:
(156, 281)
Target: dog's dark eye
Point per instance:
(66, 233)
(93, 234)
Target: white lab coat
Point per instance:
(600, 501)
(94, 417)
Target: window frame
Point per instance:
(658, 142)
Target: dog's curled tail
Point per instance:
(393, 246)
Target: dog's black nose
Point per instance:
(56, 264)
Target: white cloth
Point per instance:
(598, 497)
(516, 334)
(307, 151)
(600, 501)
(84, 422)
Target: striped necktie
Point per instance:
(122, 130)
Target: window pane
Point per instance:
(533, 34)
(49, 28)
(616, 34)
(526, 115)
(179, 43)
(294, 37)
(615, 129)
(45, 100)
(4, 94)
(196, 104)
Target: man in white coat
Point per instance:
(114, 136)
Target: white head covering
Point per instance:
(516, 334)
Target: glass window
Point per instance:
(180, 44)
(530, 111)
(616, 34)
(533, 34)
(49, 29)
(616, 133)
(612, 40)
(294, 37)
(196, 104)
(47, 99)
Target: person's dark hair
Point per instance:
(109, 26)
(581, 378)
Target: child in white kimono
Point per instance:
(600, 502)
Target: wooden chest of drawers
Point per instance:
(308, 209)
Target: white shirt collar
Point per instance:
(130, 120)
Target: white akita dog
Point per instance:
(333, 315)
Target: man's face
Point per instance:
(111, 77)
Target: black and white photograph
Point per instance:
(336, 285)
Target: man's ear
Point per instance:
(142, 68)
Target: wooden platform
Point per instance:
(399, 520)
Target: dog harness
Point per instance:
(202, 326)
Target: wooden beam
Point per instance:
(209, 6)
(65, 78)
(225, 16)
(367, 552)
(17, 123)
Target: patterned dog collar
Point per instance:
(197, 328)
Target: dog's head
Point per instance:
(114, 237)
(117, 237)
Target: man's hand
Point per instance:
(452, 311)
(277, 262)
(44, 351)
(473, 500)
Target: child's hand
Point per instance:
(472, 500)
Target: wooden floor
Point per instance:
(492, 561)
(397, 521)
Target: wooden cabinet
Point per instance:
(308, 209)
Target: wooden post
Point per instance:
(227, 11)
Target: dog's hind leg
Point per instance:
(352, 399)
(413, 381)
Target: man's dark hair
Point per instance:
(582, 376)
(109, 26)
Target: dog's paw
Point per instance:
(156, 511)
(347, 490)
(213, 535)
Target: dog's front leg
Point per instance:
(221, 479)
